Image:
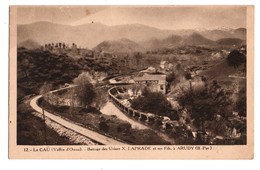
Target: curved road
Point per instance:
(81, 130)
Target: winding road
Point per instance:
(81, 130)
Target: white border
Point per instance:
(106, 165)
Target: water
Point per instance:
(111, 109)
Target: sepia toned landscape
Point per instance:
(114, 75)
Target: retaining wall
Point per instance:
(138, 115)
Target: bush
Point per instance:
(235, 58)
(103, 126)
(154, 102)
(124, 128)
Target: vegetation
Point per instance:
(240, 104)
(235, 58)
(100, 99)
(108, 125)
(31, 130)
(44, 91)
(86, 93)
(34, 67)
(84, 90)
(211, 108)
(153, 102)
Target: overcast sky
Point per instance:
(170, 17)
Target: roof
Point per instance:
(150, 77)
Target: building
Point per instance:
(155, 82)
(88, 55)
(104, 58)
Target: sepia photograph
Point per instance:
(131, 80)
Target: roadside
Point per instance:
(108, 126)
(31, 129)
(74, 126)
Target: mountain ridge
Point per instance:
(91, 34)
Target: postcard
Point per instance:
(131, 82)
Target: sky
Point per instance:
(162, 17)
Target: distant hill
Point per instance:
(194, 39)
(29, 44)
(217, 34)
(197, 39)
(91, 34)
(168, 42)
(122, 45)
(88, 35)
(230, 41)
(240, 33)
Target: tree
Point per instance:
(138, 58)
(187, 75)
(153, 102)
(241, 102)
(25, 66)
(235, 58)
(44, 91)
(103, 126)
(100, 99)
(73, 99)
(170, 77)
(84, 89)
(205, 104)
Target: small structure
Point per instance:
(164, 65)
(103, 58)
(155, 82)
(87, 54)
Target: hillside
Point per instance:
(224, 33)
(240, 33)
(197, 39)
(120, 46)
(34, 67)
(216, 34)
(29, 44)
(230, 41)
(221, 71)
(194, 39)
(168, 42)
